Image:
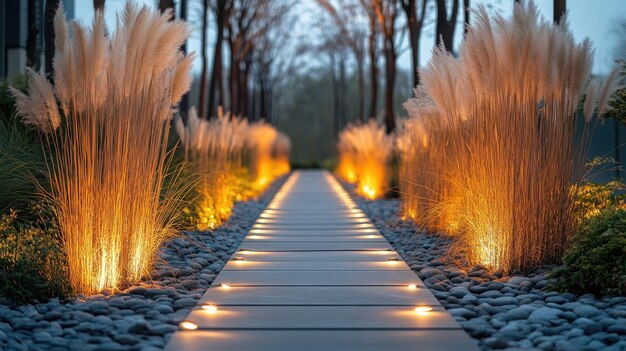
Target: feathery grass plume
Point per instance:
(364, 154)
(108, 148)
(268, 153)
(216, 148)
(493, 144)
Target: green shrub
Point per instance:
(21, 166)
(617, 103)
(596, 261)
(592, 199)
(7, 101)
(32, 263)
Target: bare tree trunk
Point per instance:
(31, 40)
(202, 95)
(342, 92)
(166, 4)
(48, 32)
(184, 103)
(361, 84)
(216, 86)
(466, 15)
(234, 78)
(373, 71)
(445, 26)
(560, 7)
(390, 72)
(98, 5)
(414, 23)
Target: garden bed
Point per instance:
(516, 312)
(142, 317)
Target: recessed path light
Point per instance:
(423, 309)
(210, 308)
(188, 325)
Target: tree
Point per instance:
(560, 8)
(48, 33)
(347, 19)
(387, 14)
(33, 31)
(374, 31)
(98, 5)
(415, 21)
(222, 10)
(272, 65)
(203, 55)
(250, 21)
(164, 5)
(466, 16)
(445, 25)
(184, 102)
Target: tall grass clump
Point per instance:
(364, 153)
(215, 147)
(268, 152)
(106, 120)
(494, 146)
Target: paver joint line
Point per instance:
(285, 296)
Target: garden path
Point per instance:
(313, 273)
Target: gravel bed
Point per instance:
(142, 317)
(516, 312)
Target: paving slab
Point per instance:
(312, 232)
(365, 237)
(326, 340)
(320, 296)
(320, 278)
(262, 245)
(322, 317)
(336, 256)
(259, 265)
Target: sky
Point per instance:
(596, 19)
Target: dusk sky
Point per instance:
(599, 20)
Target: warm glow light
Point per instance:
(188, 325)
(423, 309)
(238, 259)
(412, 286)
(210, 308)
(225, 286)
(256, 237)
(246, 252)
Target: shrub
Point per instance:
(596, 261)
(618, 100)
(21, 166)
(32, 263)
(108, 134)
(497, 143)
(7, 101)
(364, 155)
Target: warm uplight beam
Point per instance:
(412, 286)
(225, 286)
